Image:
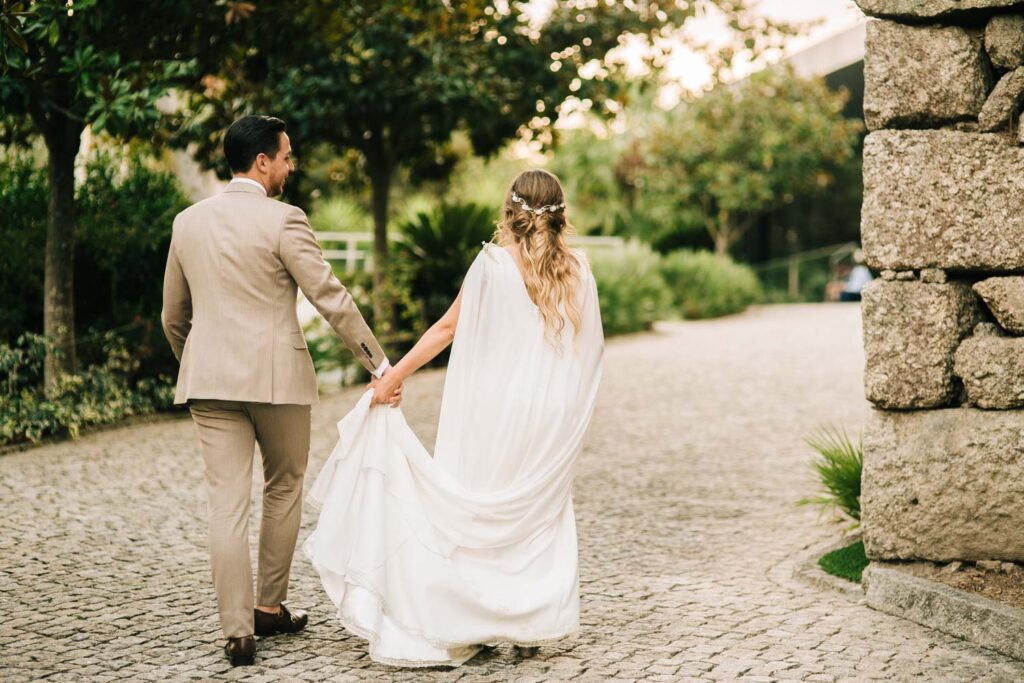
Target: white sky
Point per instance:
(687, 71)
(690, 71)
(835, 15)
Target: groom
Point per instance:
(235, 262)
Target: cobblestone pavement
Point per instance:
(688, 535)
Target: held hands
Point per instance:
(387, 389)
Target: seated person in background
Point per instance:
(855, 281)
(849, 280)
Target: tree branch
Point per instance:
(50, 104)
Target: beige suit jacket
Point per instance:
(230, 290)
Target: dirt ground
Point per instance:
(1005, 584)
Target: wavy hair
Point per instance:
(534, 221)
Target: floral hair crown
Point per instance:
(526, 207)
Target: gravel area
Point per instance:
(688, 535)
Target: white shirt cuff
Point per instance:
(379, 372)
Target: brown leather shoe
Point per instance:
(241, 651)
(283, 622)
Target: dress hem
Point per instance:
(372, 637)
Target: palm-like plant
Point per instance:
(437, 249)
(839, 467)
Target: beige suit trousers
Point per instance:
(228, 432)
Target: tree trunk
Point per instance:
(722, 233)
(380, 172)
(722, 243)
(63, 138)
(728, 231)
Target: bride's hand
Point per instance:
(388, 389)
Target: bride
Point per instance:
(429, 559)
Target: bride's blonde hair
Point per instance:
(534, 221)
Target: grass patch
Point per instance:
(847, 563)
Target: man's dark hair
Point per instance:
(250, 136)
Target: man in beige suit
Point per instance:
(229, 313)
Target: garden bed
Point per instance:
(1004, 585)
(177, 413)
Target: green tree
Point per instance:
(393, 79)
(70, 64)
(741, 150)
(596, 163)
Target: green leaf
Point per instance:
(16, 38)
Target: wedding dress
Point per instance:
(427, 558)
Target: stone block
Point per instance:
(1004, 296)
(1002, 108)
(944, 485)
(922, 76)
(992, 370)
(911, 330)
(1004, 40)
(988, 330)
(928, 9)
(943, 199)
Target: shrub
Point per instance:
(839, 467)
(340, 214)
(708, 285)
(124, 213)
(23, 193)
(630, 287)
(334, 364)
(102, 393)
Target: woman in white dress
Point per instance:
(431, 558)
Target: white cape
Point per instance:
(426, 557)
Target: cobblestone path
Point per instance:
(688, 535)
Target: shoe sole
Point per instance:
(268, 634)
(242, 660)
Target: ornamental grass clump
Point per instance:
(839, 465)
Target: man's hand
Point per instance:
(387, 389)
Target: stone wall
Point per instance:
(943, 220)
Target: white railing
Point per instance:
(792, 263)
(355, 249)
(351, 254)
